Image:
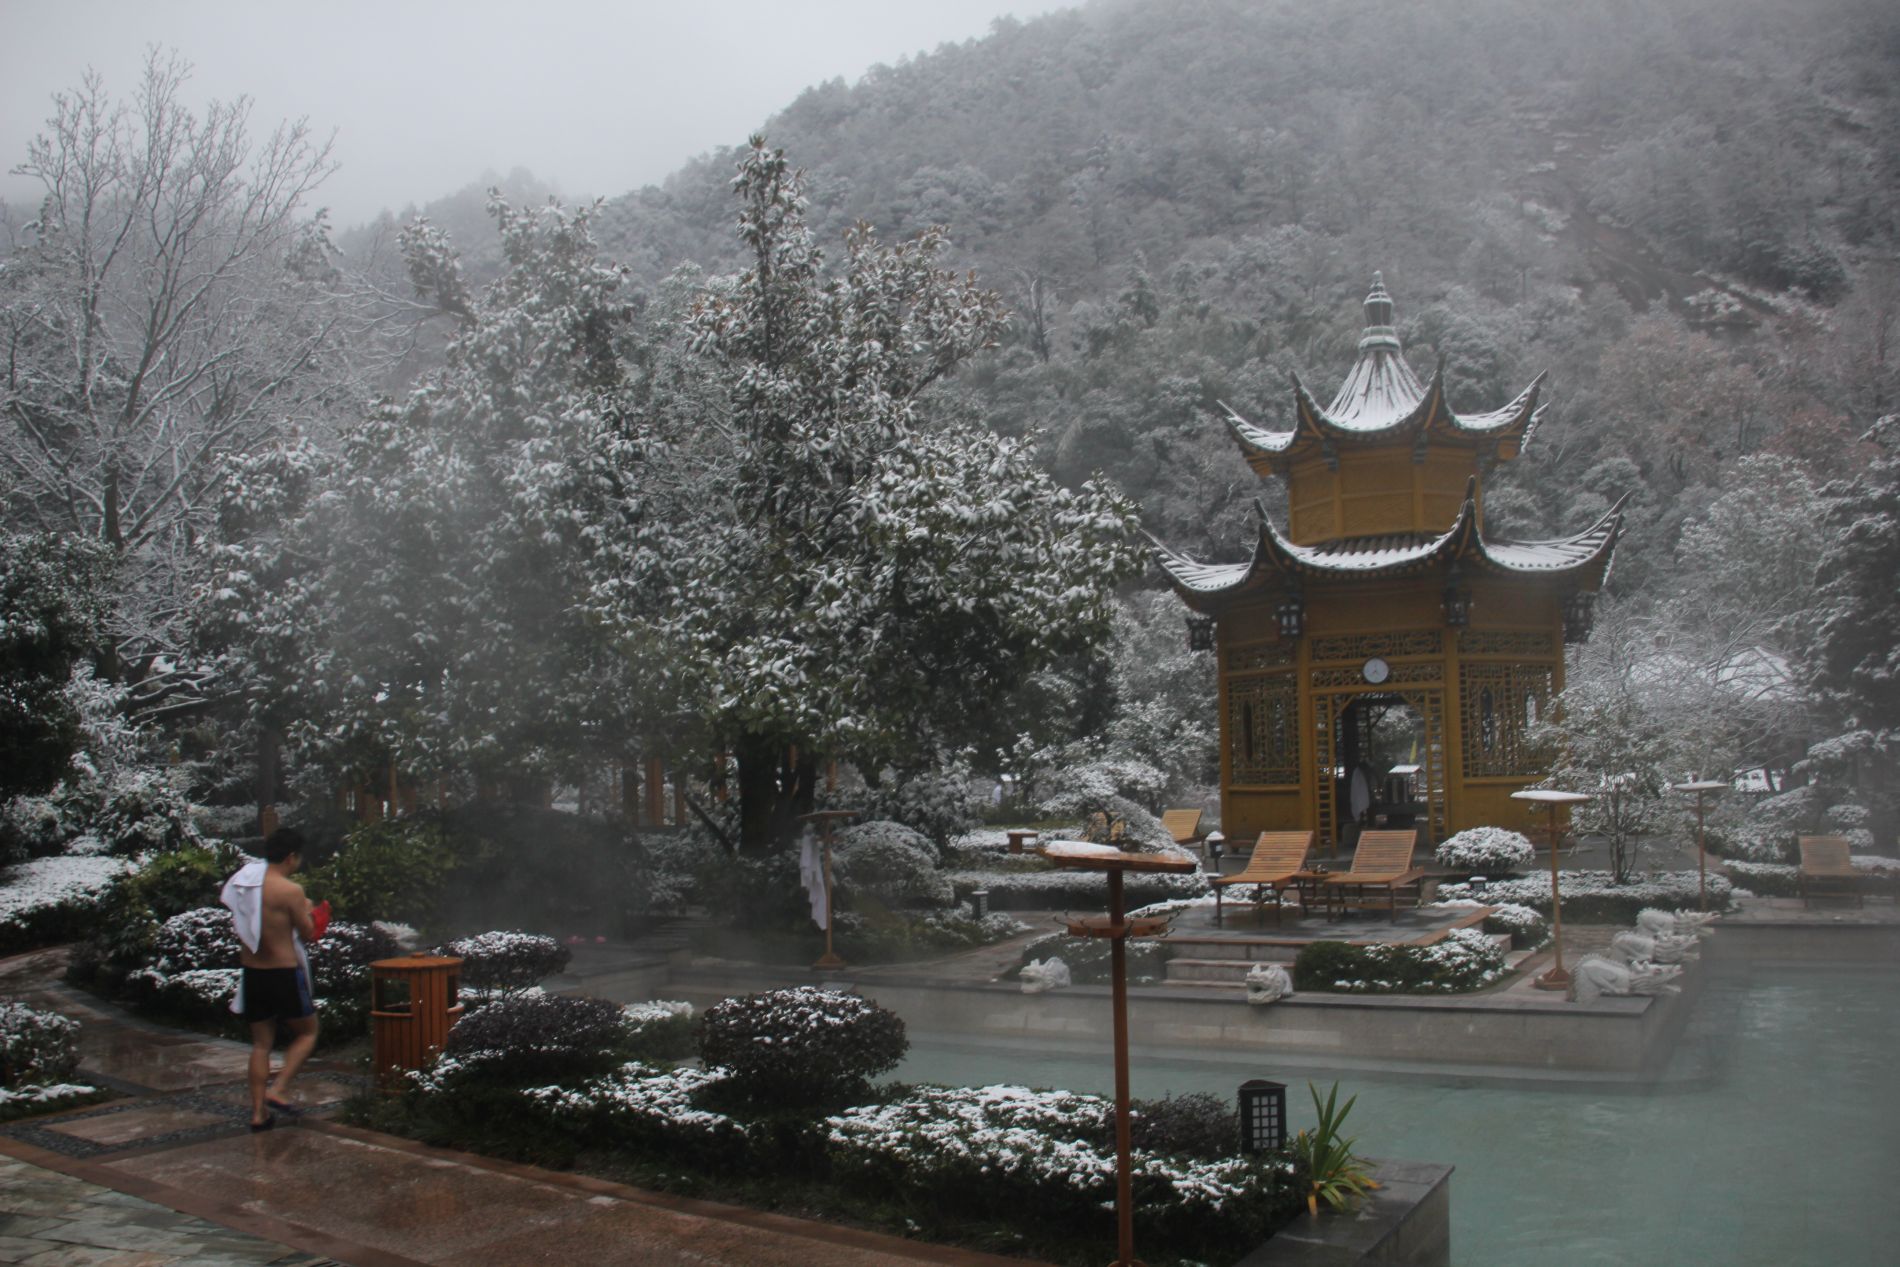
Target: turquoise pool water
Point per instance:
(1775, 1141)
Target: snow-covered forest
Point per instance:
(758, 469)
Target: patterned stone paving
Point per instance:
(48, 1219)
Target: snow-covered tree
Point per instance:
(420, 601)
(816, 555)
(174, 301)
(52, 603)
(1854, 665)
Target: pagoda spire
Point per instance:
(1379, 331)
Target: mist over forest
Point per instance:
(1684, 213)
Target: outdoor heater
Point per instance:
(1701, 788)
(1262, 1116)
(1076, 855)
(1556, 978)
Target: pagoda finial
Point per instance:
(1379, 331)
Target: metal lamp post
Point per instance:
(1076, 855)
(1701, 789)
(1556, 978)
(826, 821)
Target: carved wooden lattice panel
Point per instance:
(1259, 655)
(1326, 710)
(1430, 706)
(1263, 719)
(1401, 674)
(1497, 705)
(1511, 642)
(1358, 648)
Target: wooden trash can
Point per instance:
(413, 1003)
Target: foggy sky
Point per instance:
(425, 96)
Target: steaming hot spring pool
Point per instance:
(1773, 1138)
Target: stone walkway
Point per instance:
(168, 1174)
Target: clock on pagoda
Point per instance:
(1382, 659)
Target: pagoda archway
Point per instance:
(1385, 590)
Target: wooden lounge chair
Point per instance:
(1183, 825)
(1277, 857)
(1382, 860)
(1826, 869)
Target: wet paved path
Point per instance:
(169, 1174)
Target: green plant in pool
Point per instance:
(1325, 1156)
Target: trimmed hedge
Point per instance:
(1464, 960)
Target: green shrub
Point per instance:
(173, 883)
(1463, 960)
(1089, 958)
(523, 1038)
(659, 1031)
(889, 865)
(803, 1046)
(143, 813)
(36, 1047)
(505, 961)
(1197, 1125)
(392, 871)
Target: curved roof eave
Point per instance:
(1202, 585)
(1520, 414)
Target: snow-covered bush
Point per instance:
(1526, 927)
(1050, 889)
(1594, 897)
(889, 864)
(679, 861)
(507, 961)
(203, 938)
(31, 827)
(533, 1037)
(650, 1107)
(1464, 960)
(659, 1030)
(1769, 830)
(801, 1046)
(340, 959)
(1092, 787)
(36, 1047)
(1850, 819)
(143, 813)
(1088, 957)
(51, 899)
(1485, 851)
(984, 1152)
(939, 804)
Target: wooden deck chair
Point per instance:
(1382, 860)
(1277, 857)
(1826, 869)
(1182, 825)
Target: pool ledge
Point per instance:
(1407, 1221)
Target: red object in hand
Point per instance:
(320, 917)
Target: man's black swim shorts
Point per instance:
(276, 994)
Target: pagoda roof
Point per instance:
(1278, 563)
(1382, 402)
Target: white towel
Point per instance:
(244, 894)
(811, 874)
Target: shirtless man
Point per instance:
(275, 987)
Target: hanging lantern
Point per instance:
(1292, 616)
(1262, 1116)
(1579, 616)
(1200, 633)
(1457, 601)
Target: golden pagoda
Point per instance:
(1382, 659)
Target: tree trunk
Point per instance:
(776, 785)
